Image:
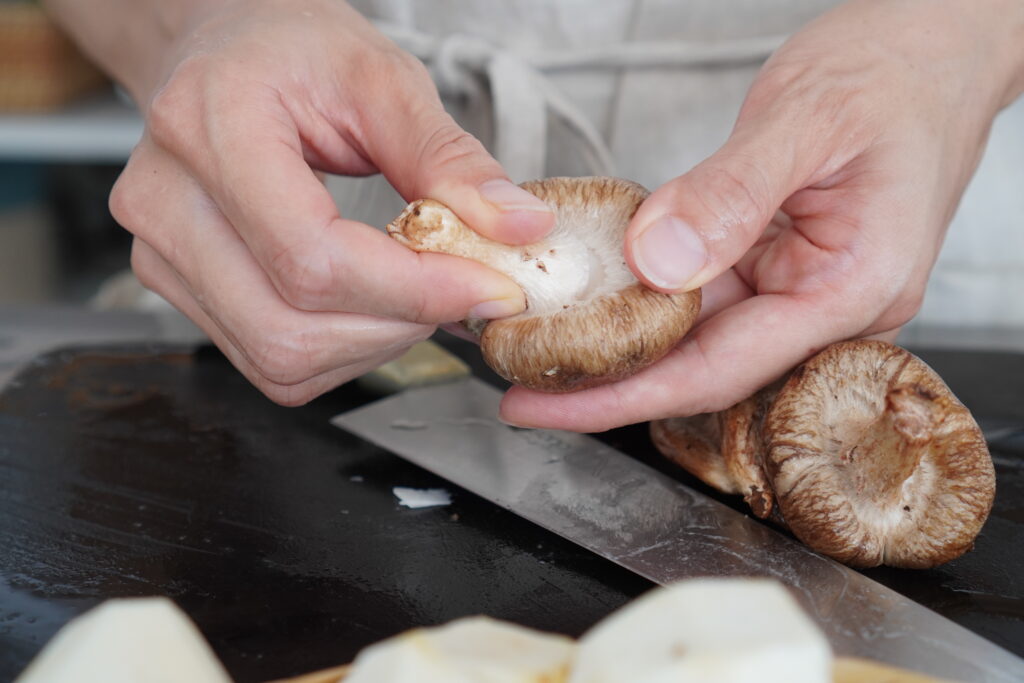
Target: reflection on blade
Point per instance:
(623, 510)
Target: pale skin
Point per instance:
(818, 220)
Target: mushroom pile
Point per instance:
(863, 453)
(588, 320)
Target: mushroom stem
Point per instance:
(886, 454)
(911, 412)
(588, 320)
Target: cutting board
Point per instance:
(129, 471)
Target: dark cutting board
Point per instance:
(139, 471)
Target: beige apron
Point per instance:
(647, 89)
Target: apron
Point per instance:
(646, 89)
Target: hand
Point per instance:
(831, 197)
(245, 101)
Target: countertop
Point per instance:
(144, 469)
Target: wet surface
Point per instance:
(141, 471)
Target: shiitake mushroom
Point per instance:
(588, 320)
(863, 453)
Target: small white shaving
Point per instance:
(421, 498)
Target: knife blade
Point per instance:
(623, 510)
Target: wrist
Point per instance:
(999, 36)
(1014, 47)
(130, 39)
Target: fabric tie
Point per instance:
(522, 95)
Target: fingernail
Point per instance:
(669, 253)
(496, 308)
(508, 197)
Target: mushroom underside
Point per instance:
(867, 456)
(588, 321)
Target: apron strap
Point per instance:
(523, 96)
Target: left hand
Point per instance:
(831, 198)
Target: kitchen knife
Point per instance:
(631, 514)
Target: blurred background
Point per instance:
(64, 135)
(66, 132)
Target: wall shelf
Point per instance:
(102, 129)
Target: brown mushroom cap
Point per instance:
(874, 461)
(721, 449)
(695, 444)
(588, 320)
(864, 453)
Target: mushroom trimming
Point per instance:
(863, 453)
(588, 319)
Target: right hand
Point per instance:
(233, 226)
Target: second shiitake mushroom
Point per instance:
(863, 453)
(588, 319)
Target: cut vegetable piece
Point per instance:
(470, 650)
(146, 640)
(707, 631)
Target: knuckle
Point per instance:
(125, 204)
(282, 358)
(287, 396)
(823, 100)
(404, 65)
(737, 195)
(786, 76)
(417, 307)
(874, 303)
(304, 276)
(389, 74)
(172, 110)
(448, 144)
(394, 66)
(903, 309)
(142, 266)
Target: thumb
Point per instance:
(697, 226)
(424, 153)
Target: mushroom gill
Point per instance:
(868, 456)
(588, 320)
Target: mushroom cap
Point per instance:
(722, 449)
(695, 444)
(874, 461)
(588, 320)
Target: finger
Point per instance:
(158, 276)
(286, 344)
(460, 331)
(315, 260)
(886, 336)
(728, 289)
(722, 362)
(423, 152)
(698, 225)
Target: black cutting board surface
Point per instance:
(136, 471)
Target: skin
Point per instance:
(246, 103)
(830, 198)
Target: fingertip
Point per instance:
(506, 196)
(492, 309)
(511, 412)
(590, 410)
(498, 210)
(523, 227)
(521, 217)
(460, 288)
